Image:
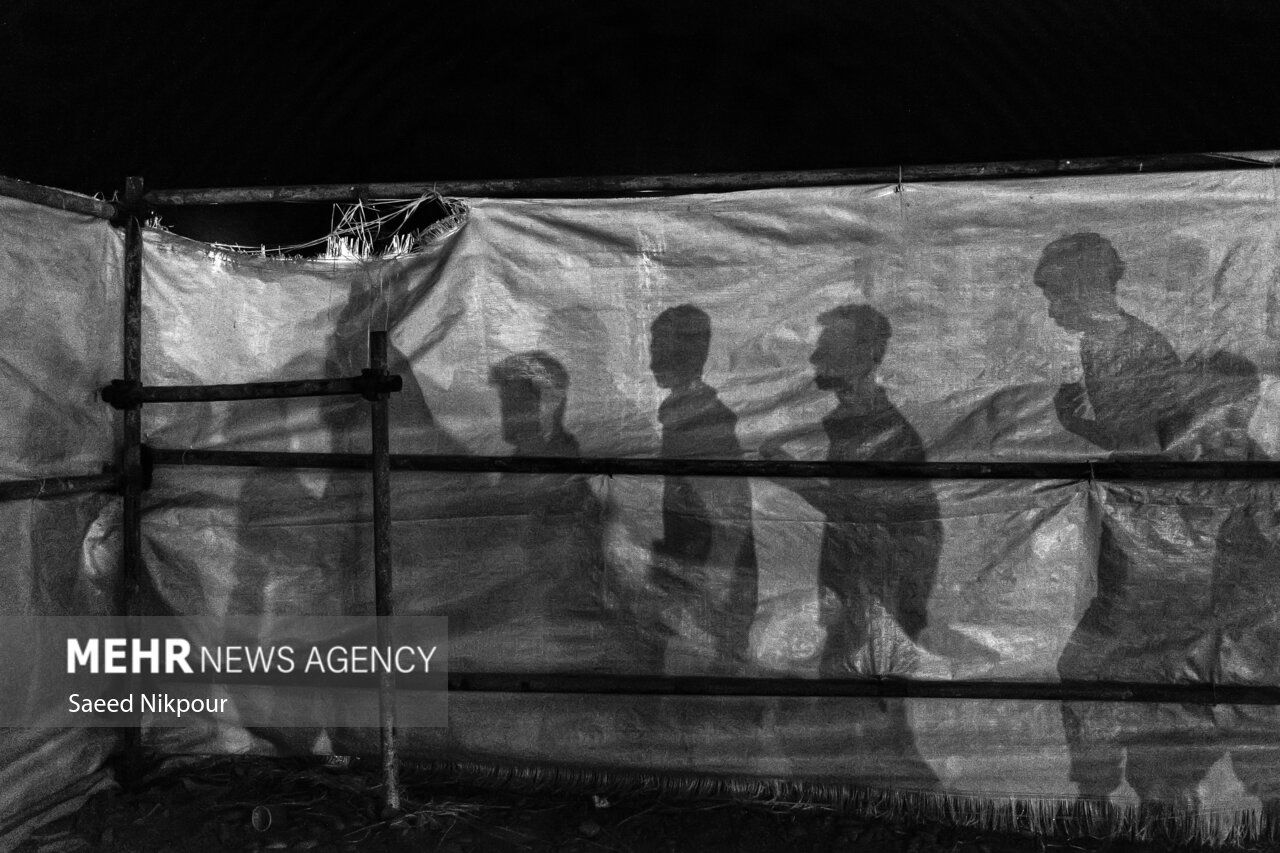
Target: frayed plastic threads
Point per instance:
(1049, 816)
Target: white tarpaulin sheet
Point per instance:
(1049, 320)
(61, 280)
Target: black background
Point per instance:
(192, 94)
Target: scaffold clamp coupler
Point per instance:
(122, 393)
(374, 382)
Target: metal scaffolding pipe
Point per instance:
(122, 395)
(131, 464)
(1120, 469)
(614, 185)
(60, 199)
(56, 487)
(383, 576)
(1055, 691)
(131, 461)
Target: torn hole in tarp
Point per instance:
(364, 230)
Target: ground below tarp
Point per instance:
(208, 806)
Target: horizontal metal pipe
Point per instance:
(60, 199)
(612, 185)
(262, 459)
(53, 487)
(1114, 470)
(1064, 691)
(123, 395)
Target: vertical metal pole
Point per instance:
(131, 461)
(382, 575)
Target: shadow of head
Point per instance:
(680, 339)
(851, 346)
(533, 389)
(1078, 275)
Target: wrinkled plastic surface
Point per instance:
(61, 277)
(535, 304)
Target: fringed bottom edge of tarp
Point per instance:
(1049, 816)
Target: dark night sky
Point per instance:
(224, 94)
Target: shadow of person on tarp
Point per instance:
(704, 572)
(874, 572)
(1130, 376)
(552, 610)
(1143, 401)
(288, 564)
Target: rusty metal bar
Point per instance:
(56, 487)
(131, 464)
(261, 459)
(613, 185)
(1055, 691)
(60, 199)
(1112, 470)
(124, 394)
(383, 577)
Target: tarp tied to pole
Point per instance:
(1031, 320)
(61, 281)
